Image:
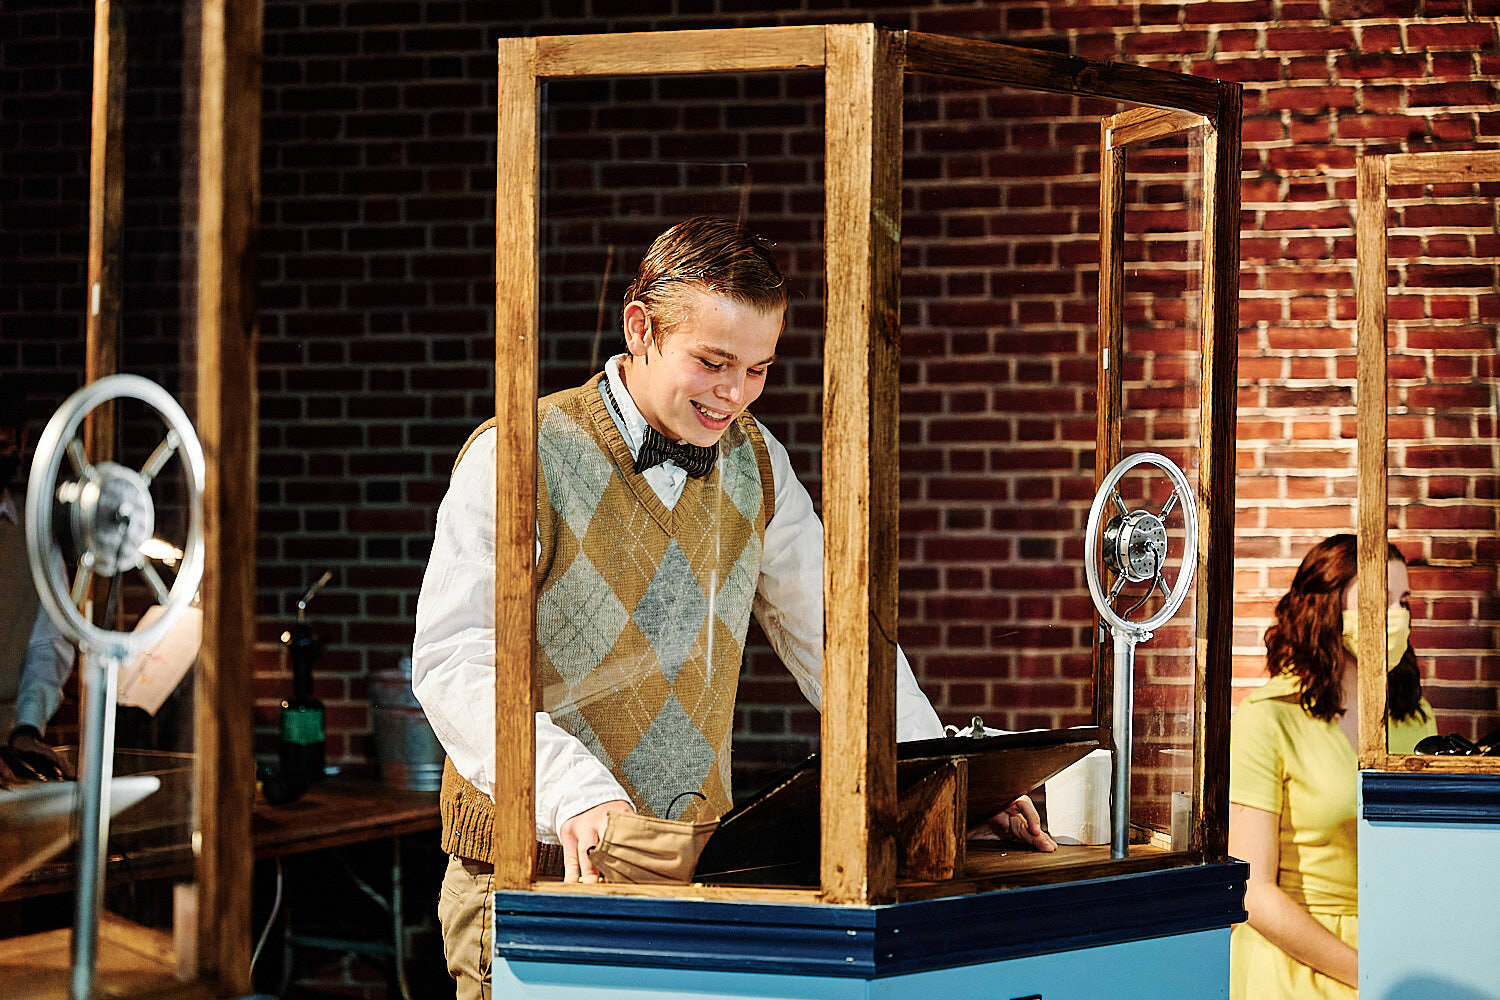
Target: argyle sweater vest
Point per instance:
(17, 618)
(641, 612)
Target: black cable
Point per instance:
(112, 595)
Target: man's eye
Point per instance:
(712, 366)
(756, 372)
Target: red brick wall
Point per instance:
(376, 307)
(43, 194)
(377, 256)
(1316, 95)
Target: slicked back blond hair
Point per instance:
(712, 254)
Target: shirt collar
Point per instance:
(628, 417)
(1281, 685)
(8, 507)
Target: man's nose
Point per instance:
(732, 386)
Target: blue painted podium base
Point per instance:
(1162, 935)
(1429, 881)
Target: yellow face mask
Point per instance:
(1397, 633)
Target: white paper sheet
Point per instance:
(156, 672)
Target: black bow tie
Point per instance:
(693, 459)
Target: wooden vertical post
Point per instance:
(1220, 323)
(1111, 300)
(860, 465)
(1111, 351)
(106, 209)
(228, 201)
(1370, 453)
(516, 289)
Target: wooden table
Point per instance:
(338, 812)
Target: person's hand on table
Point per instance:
(1018, 821)
(27, 740)
(580, 833)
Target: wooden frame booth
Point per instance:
(1429, 824)
(207, 953)
(1394, 415)
(864, 69)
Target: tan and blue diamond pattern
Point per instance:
(641, 610)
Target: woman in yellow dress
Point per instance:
(1292, 774)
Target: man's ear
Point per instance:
(638, 331)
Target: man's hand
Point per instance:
(581, 832)
(26, 740)
(1020, 821)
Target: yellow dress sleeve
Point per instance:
(1256, 765)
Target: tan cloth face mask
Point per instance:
(649, 849)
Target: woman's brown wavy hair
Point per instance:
(1306, 640)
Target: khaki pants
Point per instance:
(465, 911)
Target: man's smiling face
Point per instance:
(707, 371)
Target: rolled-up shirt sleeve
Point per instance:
(49, 660)
(453, 656)
(789, 600)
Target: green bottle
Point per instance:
(303, 743)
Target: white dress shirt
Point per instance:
(453, 653)
(49, 658)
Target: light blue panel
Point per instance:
(1180, 967)
(1429, 894)
(576, 981)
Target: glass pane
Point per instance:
(999, 417)
(676, 148)
(998, 382)
(1162, 365)
(1444, 449)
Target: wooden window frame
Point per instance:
(1376, 172)
(864, 68)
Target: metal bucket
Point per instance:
(409, 755)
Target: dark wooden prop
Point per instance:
(933, 821)
(943, 787)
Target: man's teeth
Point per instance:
(711, 414)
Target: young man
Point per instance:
(667, 515)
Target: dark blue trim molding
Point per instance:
(1431, 798)
(864, 941)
